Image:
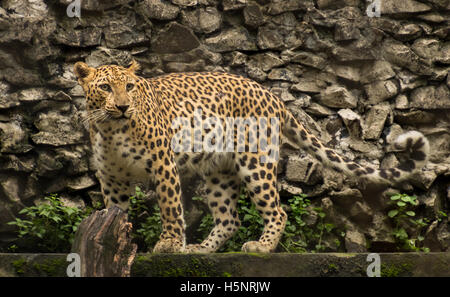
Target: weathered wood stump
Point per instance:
(103, 242)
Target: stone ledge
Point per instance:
(244, 265)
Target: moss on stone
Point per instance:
(240, 264)
(46, 267)
(395, 270)
(163, 265)
(344, 255)
(260, 255)
(20, 266)
(332, 267)
(51, 267)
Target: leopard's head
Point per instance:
(110, 90)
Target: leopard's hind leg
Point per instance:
(260, 181)
(222, 195)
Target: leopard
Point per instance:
(132, 132)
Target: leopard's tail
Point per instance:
(413, 142)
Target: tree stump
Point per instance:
(103, 242)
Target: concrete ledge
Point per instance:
(246, 265)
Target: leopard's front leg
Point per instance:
(167, 180)
(116, 192)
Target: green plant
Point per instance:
(441, 215)
(13, 248)
(298, 236)
(403, 216)
(137, 204)
(150, 229)
(146, 222)
(205, 226)
(50, 226)
(294, 237)
(323, 228)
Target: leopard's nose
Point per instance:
(122, 108)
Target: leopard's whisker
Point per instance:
(96, 115)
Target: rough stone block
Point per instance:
(231, 40)
(431, 97)
(355, 242)
(381, 90)
(337, 97)
(158, 9)
(352, 121)
(175, 38)
(302, 169)
(203, 20)
(402, 7)
(375, 120)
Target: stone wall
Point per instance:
(356, 81)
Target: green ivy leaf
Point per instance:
(406, 199)
(401, 234)
(329, 227)
(247, 217)
(411, 213)
(395, 197)
(25, 210)
(56, 219)
(392, 213)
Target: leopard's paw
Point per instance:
(197, 248)
(256, 247)
(170, 245)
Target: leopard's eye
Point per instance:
(105, 87)
(130, 87)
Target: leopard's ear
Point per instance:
(134, 66)
(83, 72)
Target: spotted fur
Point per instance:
(131, 131)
